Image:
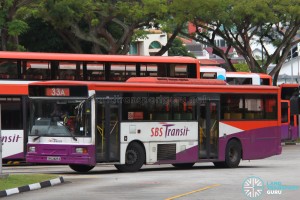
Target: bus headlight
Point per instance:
(81, 150)
(31, 149)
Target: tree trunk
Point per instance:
(4, 37)
(282, 58)
(73, 42)
(275, 78)
(166, 47)
(220, 53)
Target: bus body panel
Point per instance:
(93, 67)
(289, 132)
(12, 94)
(61, 150)
(183, 134)
(212, 72)
(13, 143)
(61, 154)
(256, 144)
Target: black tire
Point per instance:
(135, 158)
(81, 168)
(183, 165)
(233, 154)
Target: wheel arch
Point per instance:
(142, 145)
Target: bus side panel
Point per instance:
(285, 132)
(155, 136)
(256, 144)
(13, 144)
(295, 132)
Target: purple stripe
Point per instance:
(18, 156)
(289, 133)
(66, 153)
(256, 144)
(295, 133)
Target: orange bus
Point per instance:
(14, 112)
(152, 121)
(248, 78)
(17, 68)
(235, 78)
(290, 118)
(91, 67)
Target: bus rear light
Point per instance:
(31, 149)
(81, 150)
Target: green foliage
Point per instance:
(17, 27)
(107, 25)
(5, 5)
(139, 34)
(241, 67)
(241, 23)
(42, 37)
(178, 49)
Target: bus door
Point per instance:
(208, 120)
(294, 116)
(108, 128)
(286, 133)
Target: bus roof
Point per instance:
(216, 68)
(14, 87)
(166, 80)
(94, 57)
(157, 87)
(241, 74)
(289, 85)
(247, 74)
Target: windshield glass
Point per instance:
(60, 118)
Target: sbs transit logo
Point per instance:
(253, 187)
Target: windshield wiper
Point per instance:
(34, 139)
(74, 138)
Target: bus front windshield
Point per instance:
(60, 118)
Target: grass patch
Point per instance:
(17, 180)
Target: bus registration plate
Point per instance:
(53, 158)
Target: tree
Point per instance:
(242, 22)
(108, 25)
(178, 49)
(42, 37)
(11, 26)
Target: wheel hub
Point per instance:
(233, 154)
(131, 157)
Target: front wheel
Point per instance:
(135, 158)
(81, 168)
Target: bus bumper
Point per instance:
(61, 154)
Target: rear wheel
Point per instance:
(183, 165)
(81, 168)
(135, 158)
(233, 155)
